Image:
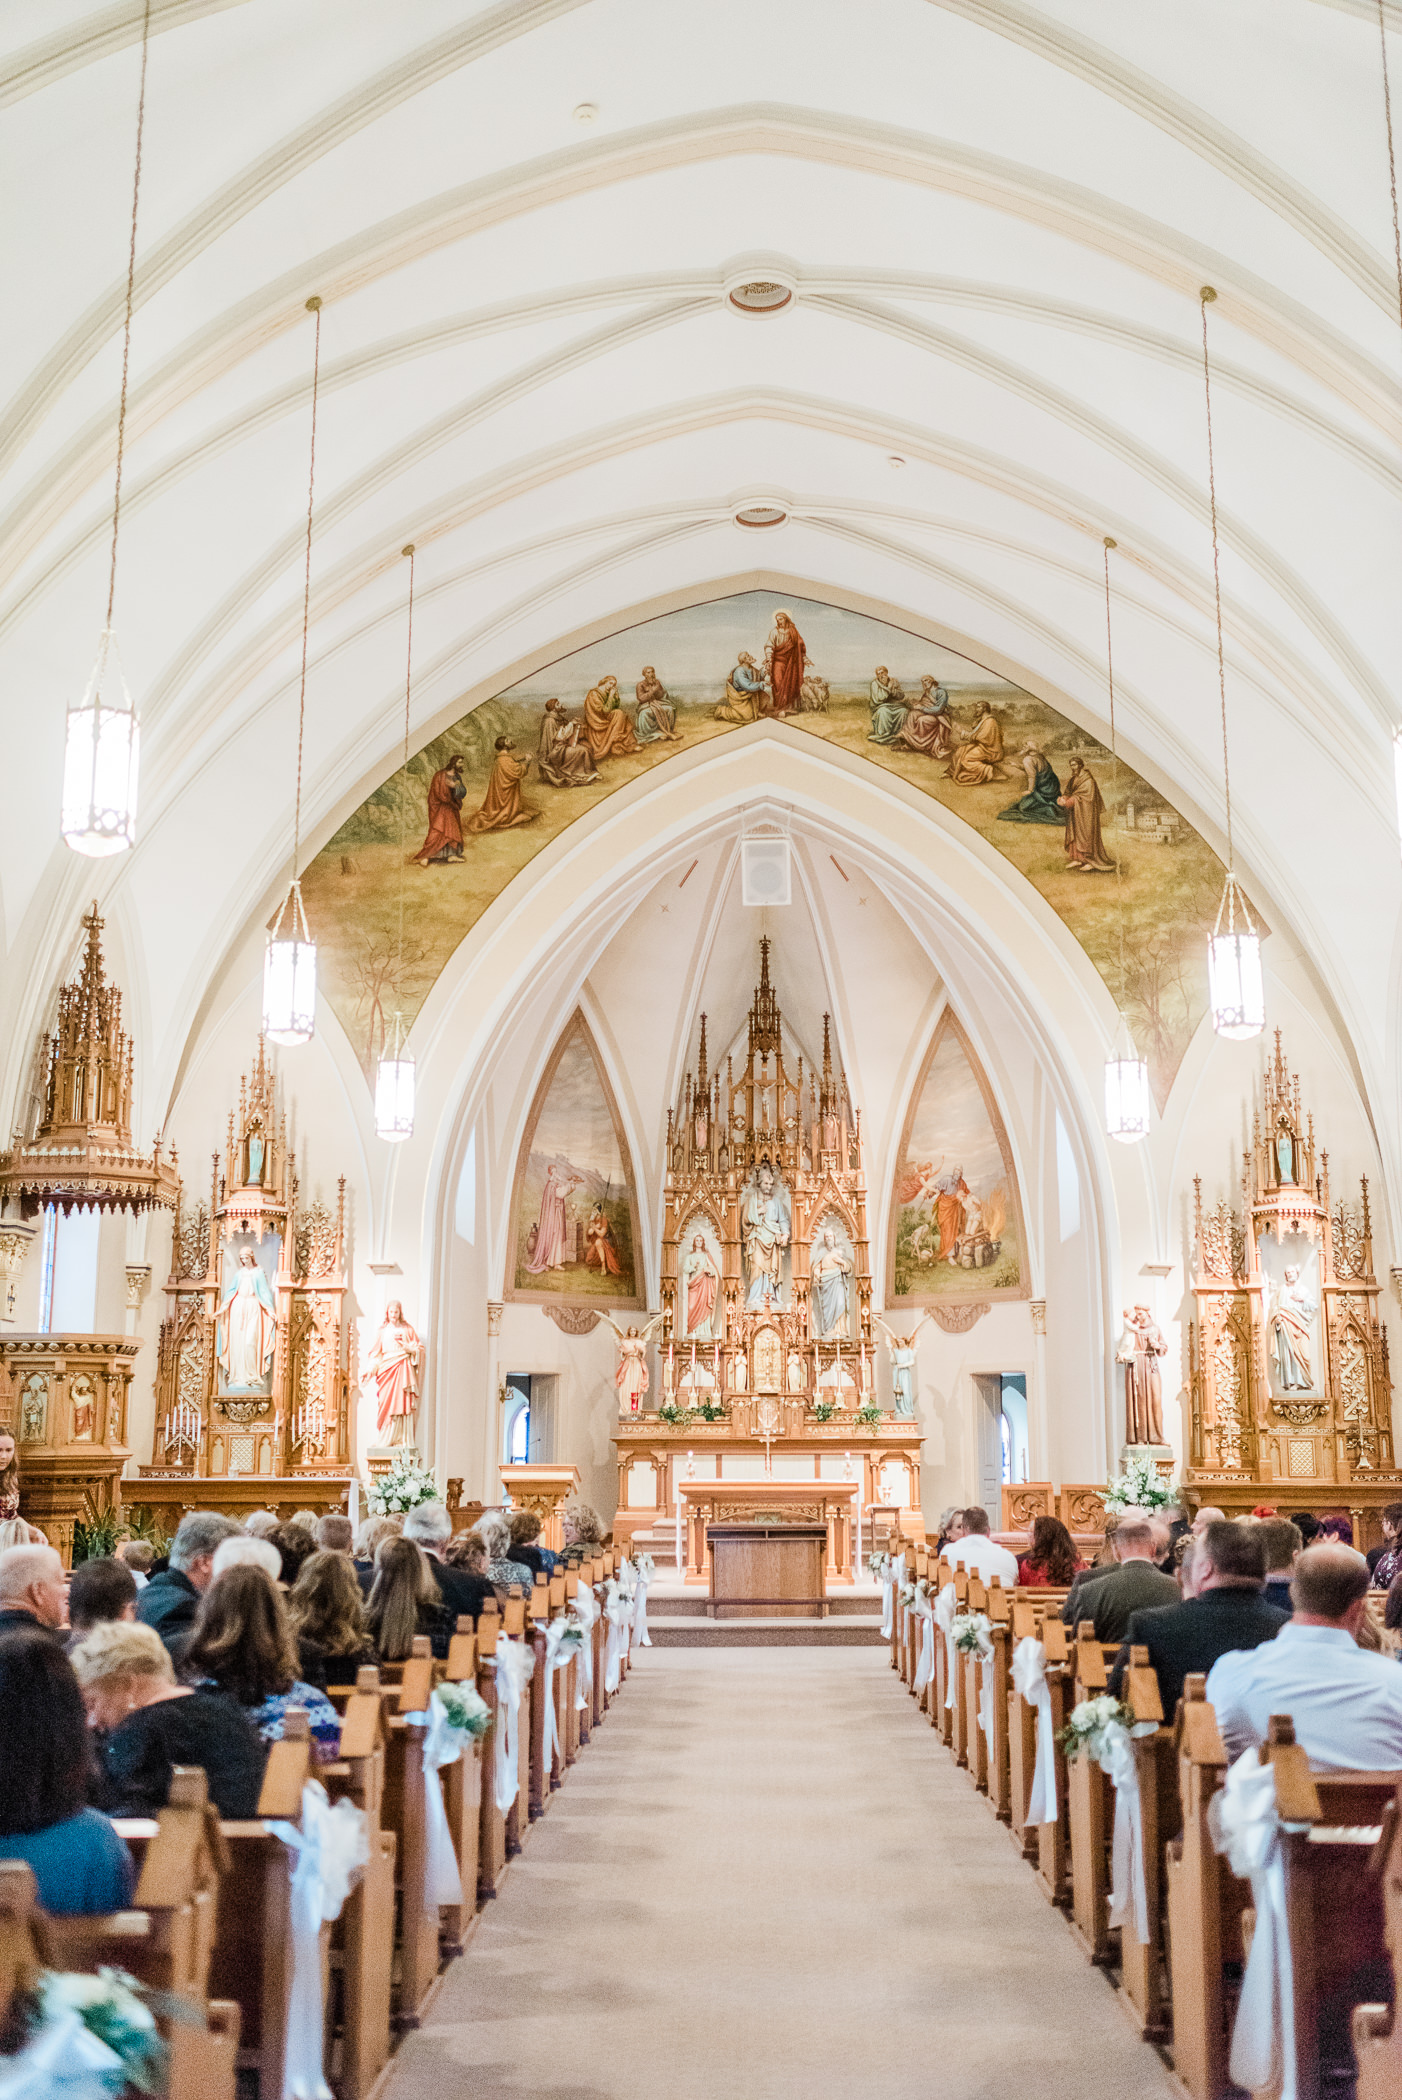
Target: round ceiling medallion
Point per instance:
(760, 295)
(759, 515)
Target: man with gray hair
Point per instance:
(1133, 1584)
(170, 1600)
(430, 1527)
(32, 1591)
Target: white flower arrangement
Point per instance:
(645, 1565)
(571, 1634)
(1087, 1731)
(878, 1563)
(1140, 1486)
(970, 1631)
(907, 1595)
(407, 1483)
(465, 1708)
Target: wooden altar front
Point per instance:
(769, 1502)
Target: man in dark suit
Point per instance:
(1134, 1584)
(1225, 1571)
(430, 1527)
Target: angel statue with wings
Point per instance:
(902, 1350)
(631, 1376)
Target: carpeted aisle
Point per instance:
(765, 1880)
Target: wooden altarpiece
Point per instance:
(287, 1436)
(1288, 1362)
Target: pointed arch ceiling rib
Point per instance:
(996, 218)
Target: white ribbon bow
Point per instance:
(1129, 1895)
(641, 1637)
(558, 1636)
(64, 2061)
(888, 1600)
(1030, 1680)
(331, 1845)
(925, 1665)
(1245, 1825)
(586, 1610)
(946, 1605)
(985, 1696)
(514, 1665)
(443, 1745)
(618, 1610)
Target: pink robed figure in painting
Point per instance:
(552, 1227)
(784, 659)
(393, 1366)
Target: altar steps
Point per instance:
(853, 1621)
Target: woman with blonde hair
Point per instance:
(241, 1643)
(584, 1533)
(328, 1619)
(146, 1724)
(405, 1601)
(494, 1530)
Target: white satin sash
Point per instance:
(946, 1607)
(641, 1637)
(558, 1643)
(330, 1846)
(514, 1665)
(619, 1612)
(925, 1666)
(888, 1601)
(1245, 1825)
(1030, 1681)
(586, 1610)
(64, 2061)
(443, 1745)
(1129, 1895)
(985, 1696)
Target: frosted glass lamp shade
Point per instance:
(1126, 1097)
(1236, 985)
(100, 757)
(394, 1096)
(289, 976)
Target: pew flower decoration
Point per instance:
(463, 1708)
(403, 1487)
(824, 1410)
(878, 1563)
(908, 1595)
(87, 2035)
(645, 1565)
(1140, 1486)
(971, 1632)
(1088, 1729)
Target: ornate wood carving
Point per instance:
(65, 1397)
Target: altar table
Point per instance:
(771, 1503)
(768, 1571)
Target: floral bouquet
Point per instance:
(464, 1707)
(878, 1563)
(97, 2032)
(645, 1565)
(1087, 1731)
(824, 1410)
(676, 1417)
(907, 1595)
(870, 1415)
(571, 1634)
(969, 1631)
(407, 1483)
(709, 1410)
(1140, 1486)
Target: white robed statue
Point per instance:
(246, 1332)
(767, 1223)
(829, 1268)
(631, 1377)
(392, 1367)
(902, 1348)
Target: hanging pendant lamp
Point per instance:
(289, 963)
(1235, 980)
(1126, 1072)
(394, 1075)
(102, 735)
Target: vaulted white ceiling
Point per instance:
(997, 218)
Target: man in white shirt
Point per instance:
(980, 1554)
(1346, 1703)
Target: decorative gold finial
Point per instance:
(314, 303)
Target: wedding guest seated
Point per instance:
(244, 1552)
(1135, 1584)
(262, 1524)
(295, 1544)
(1338, 1525)
(15, 1532)
(975, 1550)
(430, 1527)
(1345, 1703)
(494, 1530)
(32, 1590)
(305, 1520)
(1051, 1560)
(99, 1590)
(1225, 1611)
(333, 1534)
(147, 1724)
(467, 1557)
(583, 1532)
(371, 1535)
(171, 1599)
(1284, 1546)
(82, 1867)
(139, 1555)
(405, 1601)
(1307, 1524)
(1385, 1561)
(327, 1613)
(526, 1546)
(242, 1644)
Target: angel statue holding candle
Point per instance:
(631, 1377)
(902, 1348)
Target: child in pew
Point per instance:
(146, 1724)
(327, 1612)
(242, 1644)
(46, 1766)
(405, 1602)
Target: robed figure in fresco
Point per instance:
(1288, 1335)
(784, 659)
(744, 692)
(446, 793)
(562, 759)
(889, 707)
(766, 1220)
(502, 808)
(700, 1283)
(1041, 804)
(980, 758)
(1141, 1346)
(606, 722)
(1084, 806)
(657, 715)
(246, 1330)
(927, 728)
(600, 1246)
(552, 1228)
(392, 1367)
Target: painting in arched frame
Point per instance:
(574, 1212)
(956, 1222)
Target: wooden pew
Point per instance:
(1377, 2029)
(491, 1849)
(1143, 1969)
(999, 1670)
(1054, 1839)
(1205, 1904)
(358, 2009)
(462, 1793)
(975, 1758)
(1091, 1812)
(252, 1955)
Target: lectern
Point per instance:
(768, 1571)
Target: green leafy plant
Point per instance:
(676, 1417)
(709, 1410)
(869, 1415)
(139, 1521)
(824, 1410)
(95, 1535)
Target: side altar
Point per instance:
(765, 1366)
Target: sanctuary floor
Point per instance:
(766, 1881)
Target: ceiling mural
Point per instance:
(478, 802)
(956, 1226)
(574, 1218)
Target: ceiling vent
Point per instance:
(765, 871)
(757, 517)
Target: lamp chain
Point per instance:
(1207, 296)
(1391, 158)
(126, 333)
(404, 789)
(314, 307)
(1115, 769)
